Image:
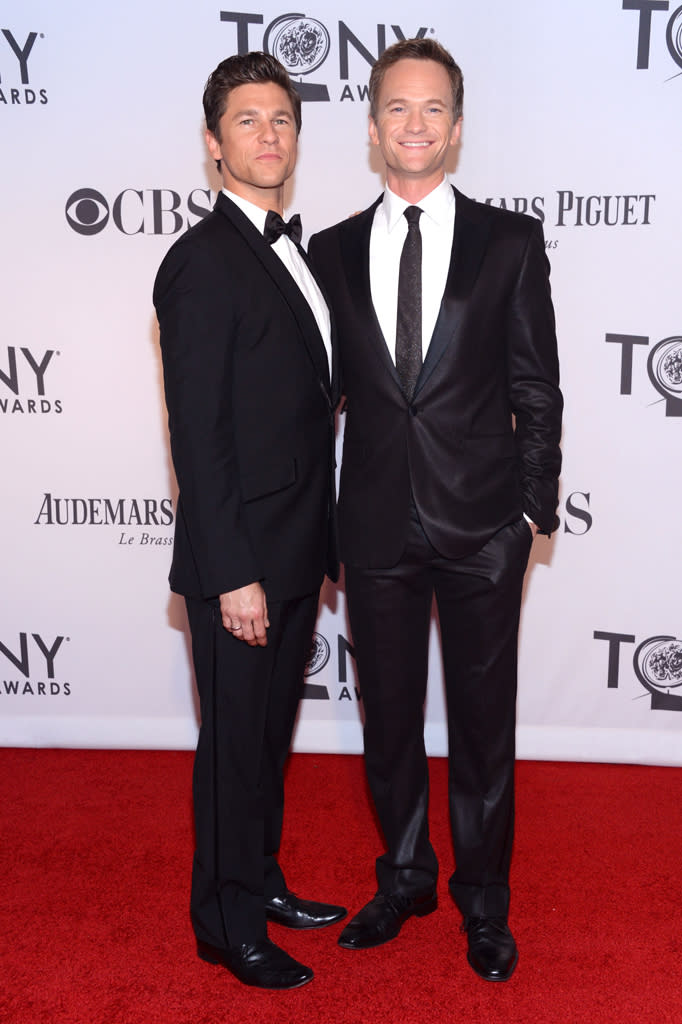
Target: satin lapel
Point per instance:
(291, 293)
(468, 248)
(335, 391)
(355, 252)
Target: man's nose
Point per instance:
(269, 132)
(415, 121)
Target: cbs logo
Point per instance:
(151, 211)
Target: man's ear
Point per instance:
(373, 133)
(213, 145)
(456, 132)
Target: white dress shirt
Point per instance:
(296, 265)
(389, 230)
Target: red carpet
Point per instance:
(95, 868)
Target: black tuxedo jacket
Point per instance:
(478, 445)
(250, 414)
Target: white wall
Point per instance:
(558, 119)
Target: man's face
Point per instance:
(415, 125)
(258, 142)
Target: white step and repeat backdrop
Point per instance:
(572, 113)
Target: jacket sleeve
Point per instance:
(197, 324)
(533, 368)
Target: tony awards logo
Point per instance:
(301, 44)
(319, 654)
(673, 31)
(665, 373)
(317, 659)
(658, 666)
(664, 367)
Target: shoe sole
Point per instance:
(303, 927)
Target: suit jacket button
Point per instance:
(414, 410)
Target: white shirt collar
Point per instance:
(437, 204)
(255, 214)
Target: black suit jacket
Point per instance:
(250, 414)
(478, 445)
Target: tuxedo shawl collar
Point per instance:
(472, 229)
(291, 293)
(336, 380)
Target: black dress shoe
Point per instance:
(293, 912)
(383, 917)
(262, 964)
(492, 950)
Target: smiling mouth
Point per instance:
(415, 145)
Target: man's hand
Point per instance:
(245, 614)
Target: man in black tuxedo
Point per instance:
(450, 463)
(251, 388)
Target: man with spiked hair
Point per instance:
(450, 463)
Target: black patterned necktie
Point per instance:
(408, 334)
(275, 226)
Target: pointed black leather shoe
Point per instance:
(383, 917)
(492, 950)
(262, 964)
(293, 912)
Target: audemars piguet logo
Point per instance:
(566, 208)
(126, 514)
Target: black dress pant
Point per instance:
(479, 600)
(249, 698)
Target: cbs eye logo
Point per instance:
(87, 211)
(134, 211)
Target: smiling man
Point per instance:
(450, 463)
(251, 388)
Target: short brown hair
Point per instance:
(416, 49)
(245, 69)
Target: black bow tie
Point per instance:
(275, 226)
